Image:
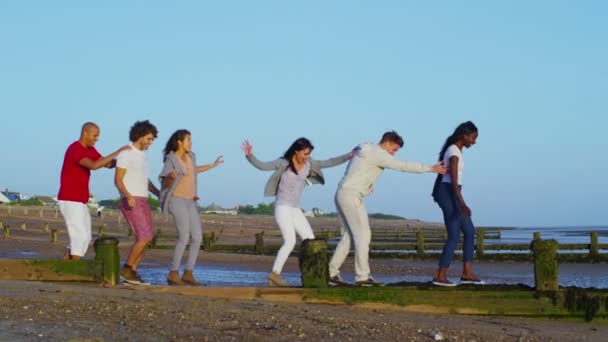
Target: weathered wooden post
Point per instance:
(45, 227)
(206, 242)
(23, 226)
(25, 211)
(6, 231)
(420, 242)
(536, 236)
(100, 231)
(154, 242)
(314, 263)
(10, 210)
(259, 243)
(546, 269)
(56, 212)
(594, 248)
(479, 241)
(41, 212)
(106, 256)
(53, 235)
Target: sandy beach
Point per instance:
(35, 311)
(80, 311)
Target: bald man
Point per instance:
(80, 158)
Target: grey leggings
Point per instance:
(188, 224)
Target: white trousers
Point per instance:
(78, 221)
(291, 221)
(355, 230)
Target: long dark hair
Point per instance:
(298, 145)
(463, 129)
(171, 146)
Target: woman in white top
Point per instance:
(291, 174)
(456, 214)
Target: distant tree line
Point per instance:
(261, 209)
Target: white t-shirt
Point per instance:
(453, 150)
(136, 178)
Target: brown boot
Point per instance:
(189, 279)
(275, 279)
(173, 279)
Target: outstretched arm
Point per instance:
(334, 161)
(387, 161)
(153, 189)
(260, 165)
(202, 168)
(107, 161)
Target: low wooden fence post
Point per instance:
(6, 231)
(53, 235)
(154, 242)
(594, 248)
(536, 236)
(259, 243)
(314, 263)
(546, 268)
(206, 242)
(481, 234)
(420, 242)
(107, 257)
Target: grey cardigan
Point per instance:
(281, 165)
(171, 162)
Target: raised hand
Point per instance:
(353, 151)
(219, 160)
(247, 147)
(439, 168)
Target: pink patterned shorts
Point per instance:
(139, 218)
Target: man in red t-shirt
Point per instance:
(80, 158)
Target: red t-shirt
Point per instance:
(74, 177)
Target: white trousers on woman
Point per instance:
(291, 221)
(78, 221)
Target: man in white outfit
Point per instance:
(365, 167)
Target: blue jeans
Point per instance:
(455, 221)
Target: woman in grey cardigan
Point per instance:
(291, 173)
(178, 196)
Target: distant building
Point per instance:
(92, 201)
(4, 199)
(47, 201)
(13, 196)
(313, 213)
(216, 209)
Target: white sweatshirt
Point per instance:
(367, 165)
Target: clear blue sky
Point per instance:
(532, 75)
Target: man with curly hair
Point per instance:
(133, 182)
